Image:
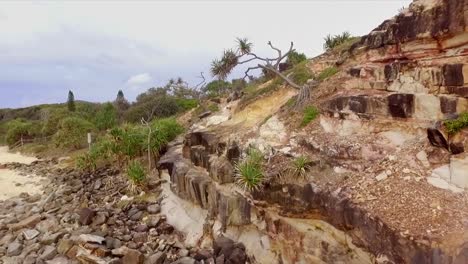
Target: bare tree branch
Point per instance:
(282, 76)
(285, 55)
(201, 84)
(278, 50)
(249, 69)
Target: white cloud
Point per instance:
(99, 44)
(139, 81)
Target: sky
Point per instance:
(95, 48)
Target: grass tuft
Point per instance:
(300, 166)
(455, 125)
(310, 113)
(327, 73)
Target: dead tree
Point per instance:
(221, 68)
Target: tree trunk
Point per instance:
(303, 96)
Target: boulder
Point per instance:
(157, 258)
(25, 223)
(154, 209)
(30, 234)
(184, 260)
(133, 257)
(14, 249)
(86, 216)
(48, 253)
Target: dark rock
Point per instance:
(437, 138)
(460, 91)
(136, 216)
(233, 153)
(165, 228)
(355, 72)
(86, 216)
(401, 105)
(220, 259)
(141, 228)
(453, 74)
(202, 254)
(237, 256)
(204, 114)
(448, 105)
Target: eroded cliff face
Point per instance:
(388, 182)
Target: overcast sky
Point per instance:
(97, 48)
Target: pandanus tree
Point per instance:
(243, 54)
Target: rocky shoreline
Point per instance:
(87, 218)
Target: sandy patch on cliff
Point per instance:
(12, 183)
(259, 110)
(7, 157)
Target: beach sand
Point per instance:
(12, 183)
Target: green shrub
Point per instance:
(295, 57)
(300, 73)
(217, 87)
(86, 162)
(455, 125)
(136, 173)
(327, 73)
(106, 117)
(73, 132)
(157, 107)
(310, 113)
(186, 104)
(169, 127)
(333, 41)
(20, 128)
(255, 156)
(52, 118)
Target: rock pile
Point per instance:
(86, 218)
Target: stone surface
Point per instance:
(30, 234)
(48, 253)
(14, 249)
(88, 238)
(133, 257)
(157, 258)
(28, 222)
(86, 216)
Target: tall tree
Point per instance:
(231, 58)
(71, 101)
(120, 103)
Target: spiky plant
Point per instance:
(249, 172)
(249, 175)
(254, 155)
(336, 40)
(244, 46)
(300, 166)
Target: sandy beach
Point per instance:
(12, 183)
